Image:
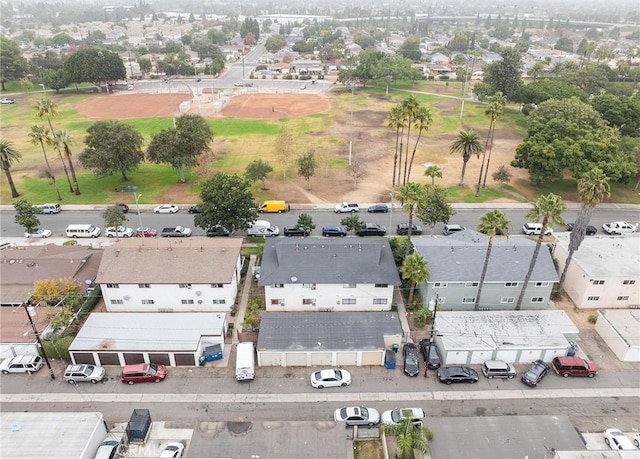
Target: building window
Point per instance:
(187, 301)
(218, 301)
(629, 282)
(148, 302)
(381, 285)
(184, 285)
(593, 298)
(507, 299)
(623, 298)
(380, 301)
(348, 301)
(117, 302)
(278, 286)
(468, 299)
(537, 299)
(471, 284)
(542, 284)
(144, 285)
(275, 302)
(348, 285)
(217, 285)
(598, 282)
(308, 301)
(113, 285)
(511, 284)
(440, 284)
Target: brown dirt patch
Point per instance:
(274, 106)
(128, 106)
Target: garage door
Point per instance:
(456, 357)
(270, 359)
(131, 359)
(108, 358)
(84, 357)
(321, 359)
(160, 358)
(347, 358)
(372, 358)
(185, 360)
(481, 356)
(529, 356)
(296, 359)
(507, 356)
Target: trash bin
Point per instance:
(201, 360)
(390, 359)
(213, 352)
(572, 349)
(395, 348)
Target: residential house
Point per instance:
(456, 264)
(169, 275)
(314, 274)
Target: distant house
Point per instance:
(165, 275)
(314, 274)
(604, 271)
(456, 264)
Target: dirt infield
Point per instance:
(270, 106)
(128, 106)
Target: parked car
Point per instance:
(534, 374)
(146, 232)
(590, 231)
(118, 231)
(21, 364)
(450, 229)
(574, 366)
(50, 208)
(378, 208)
(395, 417)
(143, 372)
(166, 209)
(614, 228)
(291, 230)
(7, 100)
(410, 359)
(357, 416)
(303, 86)
(238, 84)
(38, 232)
(218, 231)
(197, 209)
(457, 374)
(403, 229)
(173, 449)
(111, 448)
(636, 439)
(123, 207)
(346, 207)
(262, 228)
(430, 354)
(615, 439)
(498, 369)
(372, 229)
(329, 231)
(330, 378)
(84, 373)
(534, 229)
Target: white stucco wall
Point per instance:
(332, 297)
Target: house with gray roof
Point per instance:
(319, 274)
(456, 264)
(327, 338)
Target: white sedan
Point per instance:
(118, 231)
(173, 449)
(617, 440)
(330, 378)
(166, 209)
(395, 417)
(357, 416)
(39, 232)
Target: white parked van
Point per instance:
(82, 231)
(50, 208)
(262, 228)
(245, 362)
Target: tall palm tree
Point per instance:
(466, 143)
(39, 135)
(593, 187)
(409, 437)
(491, 223)
(9, 155)
(415, 270)
(546, 208)
(410, 195)
(423, 120)
(45, 108)
(396, 120)
(495, 112)
(64, 139)
(434, 172)
(410, 108)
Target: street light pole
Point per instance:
(433, 303)
(351, 126)
(31, 311)
(137, 196)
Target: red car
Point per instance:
(143, 372)
(146, 232)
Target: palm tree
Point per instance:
(9, 155)
(64, 139)
(546, 208)
(433, 171)
(47, 109)
(593, 187)
(415, 270)
(39, 135)
(495, 111)
(423, 120)
(409, 437)
(410, 108)
(491, 223)
(396, 120)
(410, 195)
(467, 143)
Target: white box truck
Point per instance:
(245, 362)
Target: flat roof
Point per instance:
(50, 435)
(147, 331)
(626, 322)
(503, 329)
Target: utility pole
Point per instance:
(433, 303)
(31, 312)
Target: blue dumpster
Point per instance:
(213, 352)
(390, 359)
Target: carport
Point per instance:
(172, 339)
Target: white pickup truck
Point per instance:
(345, 207)
(619, 228)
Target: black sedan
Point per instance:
(218, 231)
(534, 374)
(410, 355)
(195, 209)
(590, 231)
(430, 354)
(378, 208)
(450, 375)
(123, 207)
(403, 229)
(372, 229)
(291, 231)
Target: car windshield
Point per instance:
(396, 416)
(338, 374)
(364, 412)
(153, 369)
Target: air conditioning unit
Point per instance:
(199, 301)
(188, 286)
(313, 303)
(281, 302)
(198, 292)
(126, 297)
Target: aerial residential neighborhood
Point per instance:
(320, 231)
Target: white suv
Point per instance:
(21, 364)
(534, 229)
(83, 373)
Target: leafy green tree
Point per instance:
(9, 155)
(491, 223)
(414, 270)
(502, 175)
(305, 222)
(434, 172)
(505, 75)
(113, 216)
(548, 208)
(275, 43)
(13, 64)
(307, 165)
(466, 143)
(411, 195)
(95, 66)
(410, 48)
(593, 187)
(180, 146)
(537, 70)
(55, 79)
(112, 146)
(285, 146)
(226, 201)
(564, 44)
(258, 170)
(46, 108)
(409, 437)
(63, 140)
(392, 67)
(26, 215)
(352, 223)
(39, 135)
(622, 112)
(537, 92)
(434, 208)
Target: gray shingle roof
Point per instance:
(326, 331)
(328, 261)
(460, 258)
